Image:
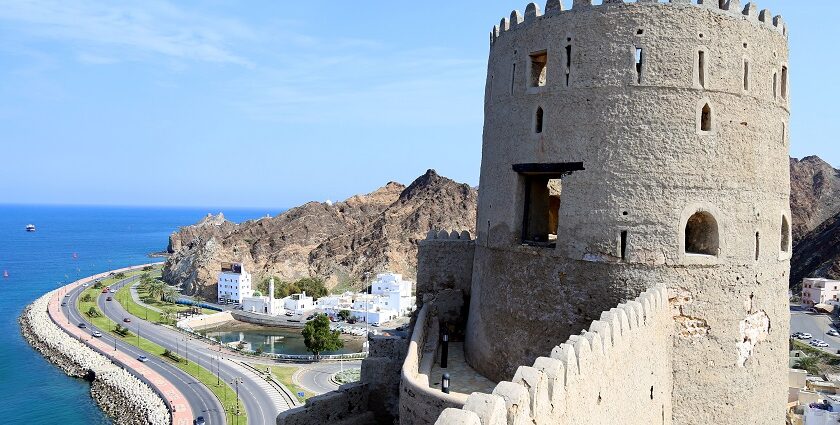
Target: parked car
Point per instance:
(82, 325)
(64, 303)
(804, 335)
(97, 334)
(833, 332)
(86, 285)
(289, 313)
(127, 320)
(143, 359)
(310, 317)
(199, 421)
(108, 299)
(66, 295)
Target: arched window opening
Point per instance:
(785, 235)
(538, 121)
(701, 234)
(706, 118)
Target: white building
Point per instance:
(264, 304)
(820, 291)
(395, 291)
(298, 303)
(234, 283)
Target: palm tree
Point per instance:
(156, 290)
(808, 363)
(170, 294)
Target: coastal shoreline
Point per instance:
(120, 393)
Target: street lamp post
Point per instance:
(236, 382)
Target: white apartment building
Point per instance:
(234, 283)
(298, 303)
(395, 293)
(820, 291)
(264, 304)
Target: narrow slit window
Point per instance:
(784, 82)
(785, 235)
(784, 133)
(640, 58)
(539, 69)
(706, 118)
(512, 78)
(538, 121)
(775, 84)
(701, 68)
(568, 63)
(701, 234)
(623, 245)
(746, 75)
(757, 245)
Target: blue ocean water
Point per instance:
(70, 242)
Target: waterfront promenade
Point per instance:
(181, 411)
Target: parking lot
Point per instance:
(816, 324)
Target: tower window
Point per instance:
(568, 63)
(746, 75)
(775, 83)
(706, 118)
(538, 121)
(784, 82)
(701, 68)
(640, 58)
(512, 78)
(623, 245)
(542, 195)
(757, 245)
(785, 239)
(539, 61)
(701, 234)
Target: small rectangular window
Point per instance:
(775, 84)
(640, 58)
(539, 70)
(746, 75)
(512, 78)
(784, 82)
(623, 245)
(568, 63)
(701, 68)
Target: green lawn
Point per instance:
(225, 394)
(284, 375)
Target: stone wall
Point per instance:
(444, 261)
(345, 406)
(616, 372)
(119, 393)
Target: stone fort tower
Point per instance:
(629, 145)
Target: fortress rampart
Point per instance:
(618, 371)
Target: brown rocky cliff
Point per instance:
(339, 242)
(814, 194)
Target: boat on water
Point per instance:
(5, 273)
(30, 227)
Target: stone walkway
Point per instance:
(136, 297)
(462, 378)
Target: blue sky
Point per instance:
(271, 104)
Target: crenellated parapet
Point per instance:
(617, 371)
(733, 8)
(446, 235)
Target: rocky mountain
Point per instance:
(339, 242)
(814, 194)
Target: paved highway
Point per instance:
(315, 377)
(201, 400)
(261, 406)
(815, 324)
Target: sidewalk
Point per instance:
(181, 412)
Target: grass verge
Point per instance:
(284, 375)
(221, 389)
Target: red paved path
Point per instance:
(181, 412)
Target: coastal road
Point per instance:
(316, 377)
(201, 400)
(815, 324)
(262, 405)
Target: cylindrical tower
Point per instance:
(628, 145)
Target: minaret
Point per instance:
(271, 290)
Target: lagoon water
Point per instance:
(102, 238)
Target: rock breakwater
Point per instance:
(120, 394)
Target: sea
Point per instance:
(70, 242)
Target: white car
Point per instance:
(833, 332)
(804, 335)
(143, 359)
(97, 334)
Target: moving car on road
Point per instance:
(97, 334)
(127, 320)
(82, 325)
(143, 359)
(108, 299)
(199, 421)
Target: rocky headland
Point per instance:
(339, 242)
(380, 231)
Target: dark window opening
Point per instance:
(568, 63)
(623, 245)
(784, 82)
(746, 75)
(785, 240)
(701, 234)
(538, 121)
(640, 57)
(543, 191)
(701, 68)
(757, 245)
(706, 118)
(538, 69)
(775, 83)
(512, 78)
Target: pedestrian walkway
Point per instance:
(462, 378)
(136, 297)
(181, 412)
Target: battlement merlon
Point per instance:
(732, 8)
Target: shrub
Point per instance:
(93, 312)
(86, 298)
